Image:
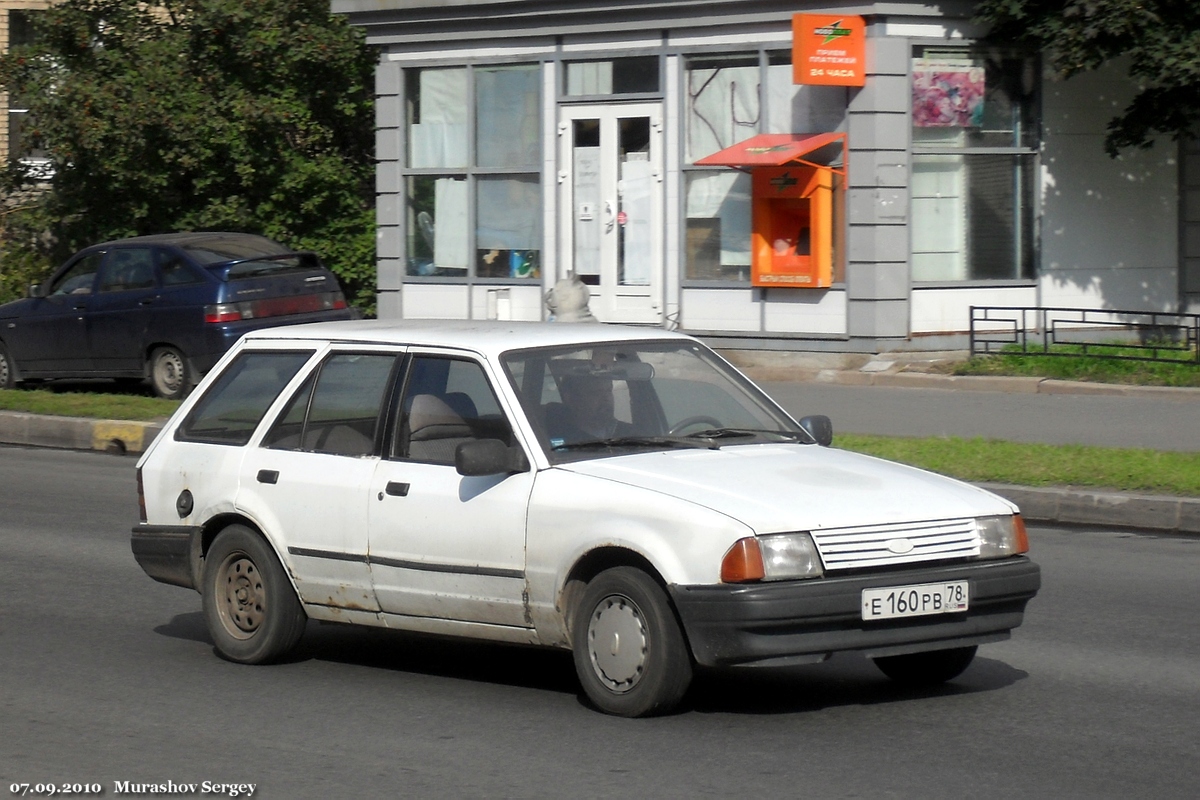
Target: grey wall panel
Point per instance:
(387, 178)
(391, 274)
(878, 131)
(388, 243)
(387, 79)
(874, 243)
(885, 206)
(389, 305)
(880, 319)
(881, 281)
(388, 112)
(879, 168)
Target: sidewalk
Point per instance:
(1154, 513)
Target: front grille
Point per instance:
(867, 545)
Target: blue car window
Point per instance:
(79, 278)
(128, 269)
(174, 270)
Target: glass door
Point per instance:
(612, 207)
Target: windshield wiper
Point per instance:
(729, 433)
(634, 441)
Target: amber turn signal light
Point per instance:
(743, 563)
(1022, 538)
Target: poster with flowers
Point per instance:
(947, 93)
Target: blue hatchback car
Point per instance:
(162, 308)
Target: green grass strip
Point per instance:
(86, 404)
(1150, 471)
(1097, 369)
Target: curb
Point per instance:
(970, 383)
(75, 433)
(1145, 512)
(1156, 513)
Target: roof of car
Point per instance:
(186, 238)
(488, 337)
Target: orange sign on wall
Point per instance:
(828, 50)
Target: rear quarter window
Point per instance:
(233, 407)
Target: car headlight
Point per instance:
(780, 556)
(1000, 537)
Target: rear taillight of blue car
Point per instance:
(274, 307)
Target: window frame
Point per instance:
(1029, 152)
(471, 174)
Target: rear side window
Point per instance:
(230, 411)
(338, 412)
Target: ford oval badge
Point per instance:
(899, 546)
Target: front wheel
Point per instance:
(630, 654)
(250, 608)
(926, 669)
(169, 373)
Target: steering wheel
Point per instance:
(699, 419)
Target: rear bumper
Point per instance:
(799, 622)
(168, 553)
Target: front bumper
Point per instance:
(801, 622)
(168, 553)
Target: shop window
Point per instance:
(508, 228)
(975, 134)
(796, 108)
(717, 237)
(507, 116)
(722, 96)
(437, 118)
(479, 129)
(438, 233)
(637, 75)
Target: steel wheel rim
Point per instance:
(241, 596)
(3, 369)
(617, 643)
(168, 371)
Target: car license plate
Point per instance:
(914, 601)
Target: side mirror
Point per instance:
(489, 457)
(37, 290)
(819, 427)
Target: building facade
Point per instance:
(15, 29)
(521, 142)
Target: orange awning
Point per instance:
(771, 150)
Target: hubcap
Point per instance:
(617, 643)
(242, 600)
(3, 370)
(168, 372)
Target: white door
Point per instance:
(443, 545)
(611, 179)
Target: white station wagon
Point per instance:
(622, 493)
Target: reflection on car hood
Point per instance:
(787, 487)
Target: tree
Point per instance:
(200, 115)
(1160, 38)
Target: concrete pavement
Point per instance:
(891, 402)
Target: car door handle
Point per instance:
(396, 489)
(147, 301)
(268, 476)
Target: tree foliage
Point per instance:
(248, 115)
(1160, 38)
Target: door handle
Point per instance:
(396, 489)
(268, 476)
(147, 301)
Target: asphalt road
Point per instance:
(1157, 423)
(106, 676)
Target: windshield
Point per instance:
(586, 402)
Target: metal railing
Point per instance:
(1128, 335)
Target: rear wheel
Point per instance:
(926, 669)
(169, 373)
(8, 372)
(630, 654)
(250, 608)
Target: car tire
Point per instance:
(8, 370)
(250, 607)
(931, 668)
(630, 653)
(170, 376)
